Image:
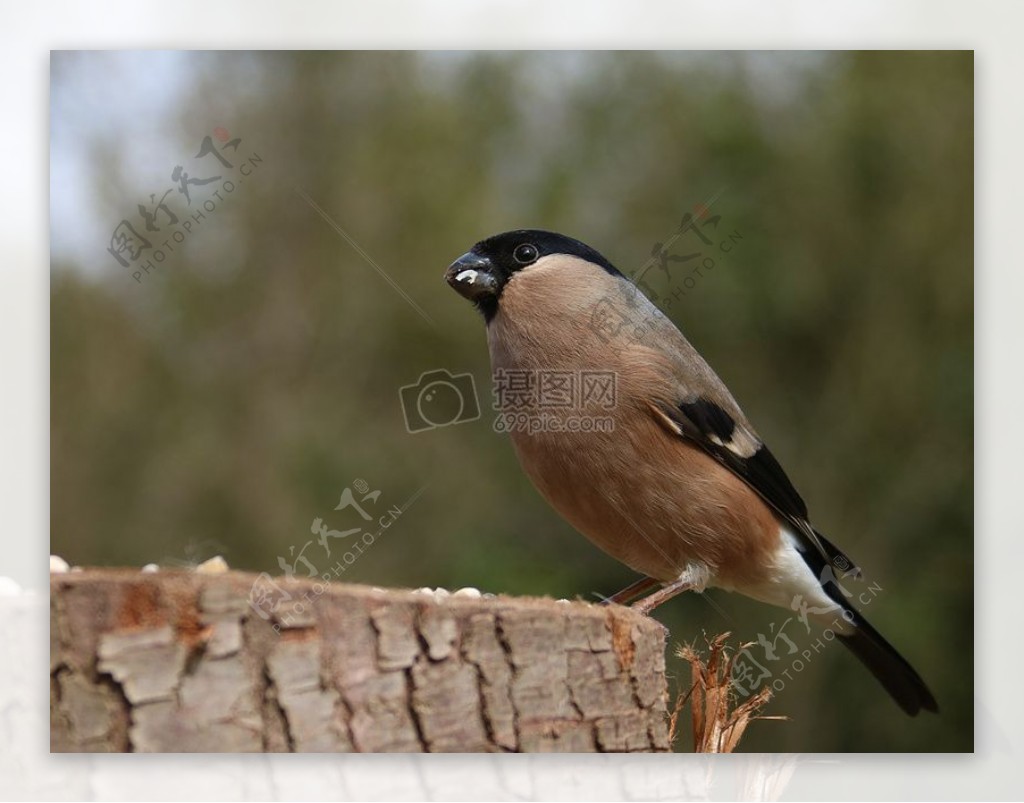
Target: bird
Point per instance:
(670, 478)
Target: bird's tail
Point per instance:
(891, 669)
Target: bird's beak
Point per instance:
(472, 276)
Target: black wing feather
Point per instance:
(710, 427)
(705, 423)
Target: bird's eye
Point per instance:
(525, 254)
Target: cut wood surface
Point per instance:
(178, 661)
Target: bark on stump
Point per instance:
(178, 661)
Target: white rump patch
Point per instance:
(794, 587)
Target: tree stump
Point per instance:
(178, 661)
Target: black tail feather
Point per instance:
(891, 669)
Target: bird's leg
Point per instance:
(632, 591)
(652, 601)
(695, 577)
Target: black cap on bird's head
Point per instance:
(482, 273)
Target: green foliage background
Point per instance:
(221, 404)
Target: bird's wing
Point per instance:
(713, 429)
